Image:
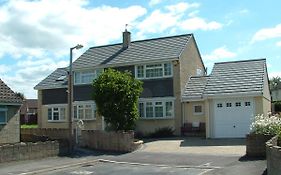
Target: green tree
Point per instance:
(116, 95)
(275, 83)
(20, 95)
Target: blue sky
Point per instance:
(35, 36)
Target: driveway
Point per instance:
(166, 156)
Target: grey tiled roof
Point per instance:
(110, 55)
(237, 77)
(7, 95)
(52, 81)
(138, 51)
(229, 78)
(195, 87)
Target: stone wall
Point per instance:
(255, 145)
(28, 151)
(109, 141)
(273, 157)
(10, 132)
(30, 134)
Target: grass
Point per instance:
(28, 126)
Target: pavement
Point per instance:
(165, 156)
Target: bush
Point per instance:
(162, 132)
(116, 95)
(266, 125)
(277, 106)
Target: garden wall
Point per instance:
(109, 141)
(36, 134)
(28, 151)
(255, 145)
(273, 156)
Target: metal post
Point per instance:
(70, 103)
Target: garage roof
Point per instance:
(7, 95)
(230, 78)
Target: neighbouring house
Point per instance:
(28, 111)
(227, 100)
(276, 94)
(9, 115)
(163, 64)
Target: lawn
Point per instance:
(29, 126)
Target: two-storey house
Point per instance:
(163, 64)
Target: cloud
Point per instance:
(4, 69)
(154, 2)
(267, 33)
(219, 53)
(278, 44)
(197, 23)
(274, 74)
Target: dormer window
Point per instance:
(150, 71)
(86, 77)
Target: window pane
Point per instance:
(55, 115)
(141, 109)
(98, 72)
(87, 77)
(2, 117)
(169, 109)
(77, 77)
(219, 105)
(149, 110)
(197, 109)
(237, 104)
(154, 70)
(140, 71)
(62, 113)
(158, 111)
(228, 104)
(49, 113)
(80, 112)
(167, 69)
(247, 103)
(88, 111)
(75, 112)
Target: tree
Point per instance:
(275, 83)
(20, 95)
(116, 95)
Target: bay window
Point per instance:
(153, 71)
(156, 108)
(56, 114)
(84, 111)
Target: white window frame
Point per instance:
(84, 103)
(198, 113)
(4, 109)
(59, 111)
(84, 73)
(145, 68)
(247, 103)
(153, 101)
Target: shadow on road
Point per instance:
(84, 152)
(246, 158)
(190, 142)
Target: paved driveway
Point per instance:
(167, 156)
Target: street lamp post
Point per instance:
(70, 97)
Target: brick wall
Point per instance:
(273, 156)
(109, 141)
(28, 151)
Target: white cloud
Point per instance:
(267, 33)
(182, 7)
(219, 53)
(274, 74)
(197, 23)
(278, 44)
(154, 2)
(4, 68)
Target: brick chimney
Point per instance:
(126, 38)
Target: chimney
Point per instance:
(126, 39)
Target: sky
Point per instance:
(35, 36)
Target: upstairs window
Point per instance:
(3, 115)
(56, 114)
(86, 77)
(153, 71)
(197, 109)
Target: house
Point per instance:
(228, 99)
(28, 111)
(9, 116)
(163, 64)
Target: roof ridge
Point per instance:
(158, 38)
(249, 60)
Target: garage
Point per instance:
(232, 117)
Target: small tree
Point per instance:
(116, 95)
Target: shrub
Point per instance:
(162, 132)
(266, 124)
(116, 95)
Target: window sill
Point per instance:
(56, 121)
(3, 123)
(154, 78)
(163, 118)
(201, 113)
(85, 119)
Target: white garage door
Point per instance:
(232, 117)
